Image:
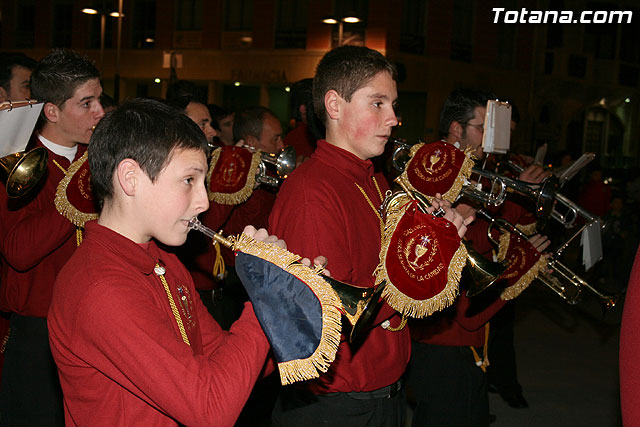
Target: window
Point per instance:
(238, 15)
(291, 24)
(461, 49)
(62, 23)
(189, 15)
(414, 18)
(25, 24)
(144, 24)
(630, 40)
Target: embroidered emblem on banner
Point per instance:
(437, 167)
(524, 266)
(421, 261)
(232, 174)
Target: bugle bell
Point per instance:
(358, 304)
(284, 163)
(21, 171)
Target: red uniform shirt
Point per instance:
(320, 211)
(120, 353)
(300, 138)
(35, 241)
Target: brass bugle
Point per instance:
(559, 278)
(358, 304)
(22, 171)
(284, 163)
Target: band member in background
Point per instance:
(15, 73)
(197, 112)
(330, 205)
(300, 136)
(223, 124)
(450, 352)
(36, 240)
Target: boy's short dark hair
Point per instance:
(58, 75)
(460, 105)
(9, 60)
(346, 69)
(144, 130)
(248, 122)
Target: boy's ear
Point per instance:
(127, 176)
(332, 104)
(51, 112)
(4, 96)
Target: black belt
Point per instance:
(381, 393)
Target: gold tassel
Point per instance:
(78, 236)
(219, 270)
(484, 362)
(5, 340)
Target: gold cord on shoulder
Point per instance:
(375, 211)
(64, 171)
(174, 309)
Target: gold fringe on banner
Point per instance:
(399, 301)
(525, 280)
(311, 367)
(241, 195)
(523, 283)
(529, 229)
(63, 205)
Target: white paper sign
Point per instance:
(497, 127)
(591, 244)
(16, 125)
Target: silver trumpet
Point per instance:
(500, 186)
(283, 162)
(558, 277)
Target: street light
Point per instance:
(103, 22)
(348, 19)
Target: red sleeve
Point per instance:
(629, 350)
(473, 313)
(32, 232)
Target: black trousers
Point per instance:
(450, 390)
(30, 393)
(298, 408)
(503, 371)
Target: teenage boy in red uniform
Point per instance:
(131, 338)
(329, 205)
(36, 240)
